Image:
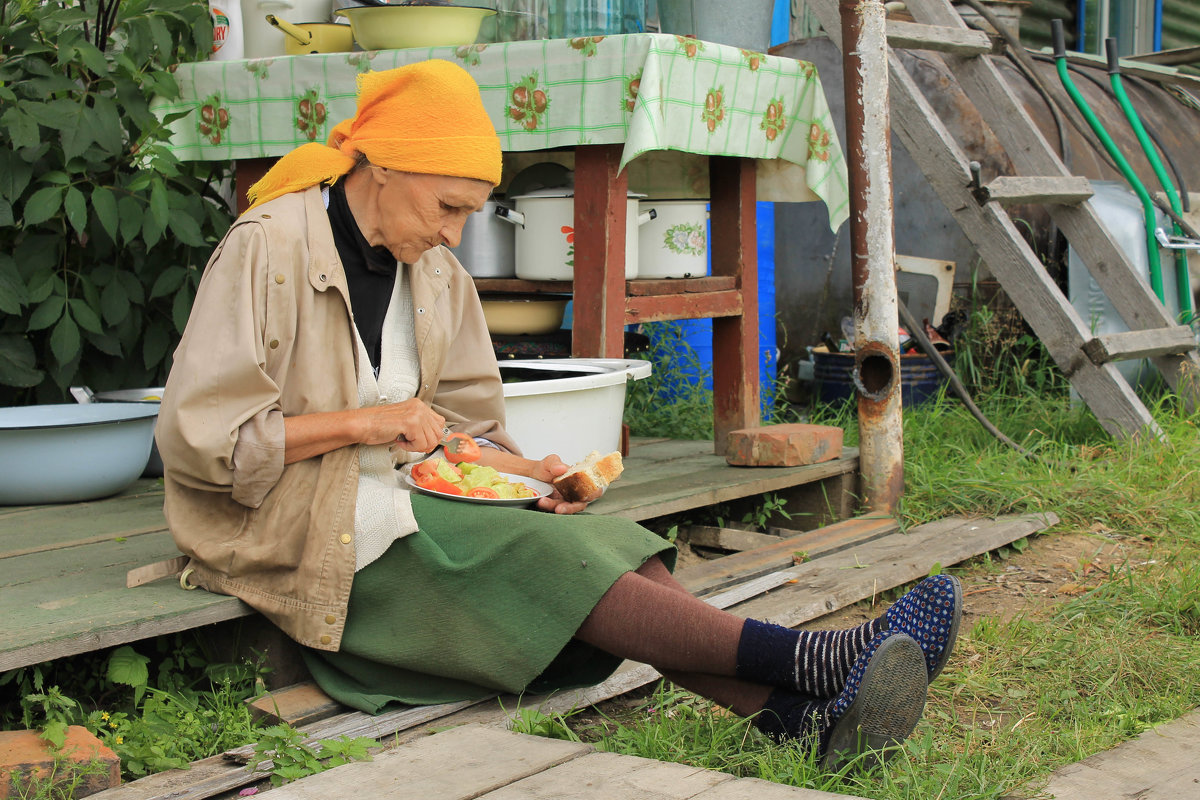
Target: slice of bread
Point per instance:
(586, 481)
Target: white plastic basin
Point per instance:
(568, 406)
(71, 452)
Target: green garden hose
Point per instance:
(1060, 59)
(1139, 130)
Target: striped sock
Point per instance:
(811, 662)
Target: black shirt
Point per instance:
(370, 272)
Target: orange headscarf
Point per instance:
(426, 117)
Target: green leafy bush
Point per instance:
(103, 233)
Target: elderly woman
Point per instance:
(334, 334)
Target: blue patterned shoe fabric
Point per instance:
(930, 614)
(880, 705)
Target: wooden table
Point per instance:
(669, 116)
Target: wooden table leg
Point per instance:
(598, 322)
(247, 172)
(735, 339)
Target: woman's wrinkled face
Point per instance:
(418, 212)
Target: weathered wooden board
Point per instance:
(725, 538)
(608, 776)
(37, 528)
(456, 764)
(126, 552)
(1161, 764)
(762, 560)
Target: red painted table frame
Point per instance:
(605, 302)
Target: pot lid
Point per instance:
(563, 191)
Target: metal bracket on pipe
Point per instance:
(1175, 242)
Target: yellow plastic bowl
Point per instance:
(395, 27)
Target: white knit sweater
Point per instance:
(384, 512)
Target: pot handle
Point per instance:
(299, 34)
(510, 216)
(646, 216)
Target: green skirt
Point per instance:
(482, 599)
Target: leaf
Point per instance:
(55, 732)
(56, 114)
(104, 203)
(6, 214)
(76, 207)
(43, 205)
(18, 362)
(64, 339)
(181, 308)
(128, 667)
(76, 138)
(13, 294)
(47, 313)
(162, 39)
(159, 208)
(114, 303)
(14, 175)
(186, 229)
(131, 217)
(91, 57)
(169, 280)
(108, 131)
(22, 129)
(155, 344)
(86, 316)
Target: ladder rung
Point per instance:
(1009, 190)
(960, 41)
(1148, 343)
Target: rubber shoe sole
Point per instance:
(889, 703)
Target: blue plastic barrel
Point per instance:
(920, 380)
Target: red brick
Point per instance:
(784, 445)
(25, 754)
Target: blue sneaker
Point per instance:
(881, 704)
(930, 613)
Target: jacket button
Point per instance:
(279, 278)
(420, 311)
(437, 272)
(330, 619)
(347, 538)
(326, 639)
(274, 343)
(323, 277)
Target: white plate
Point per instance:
(543, 490)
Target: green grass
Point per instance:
(1025, 696)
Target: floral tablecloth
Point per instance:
(669, 100)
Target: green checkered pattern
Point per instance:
(649, 92)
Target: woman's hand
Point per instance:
(547, 470)
(411, 425)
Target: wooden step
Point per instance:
(1009, 190)
(1130, 345)
(960, 41)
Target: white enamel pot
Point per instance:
(675, 243)
(545, 234)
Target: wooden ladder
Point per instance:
(1087, 360)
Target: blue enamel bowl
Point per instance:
(72, 452)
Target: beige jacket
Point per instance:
(271, 335)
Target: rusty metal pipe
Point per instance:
(872, 258)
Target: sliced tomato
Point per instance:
(484, 491)
(423, 470)
(461, 447)
(435, 483)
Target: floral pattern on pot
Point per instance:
(310, 115)
(714, 108)
(570, 233)
(690, 47)
(361, 61)
(686, 238)
(528, 103)
(213, 119)
(586, 45)
(632, 84)
(469, 54)
(818, 142)
(773, 121)
(753, 59)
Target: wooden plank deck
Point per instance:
(63, 567)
